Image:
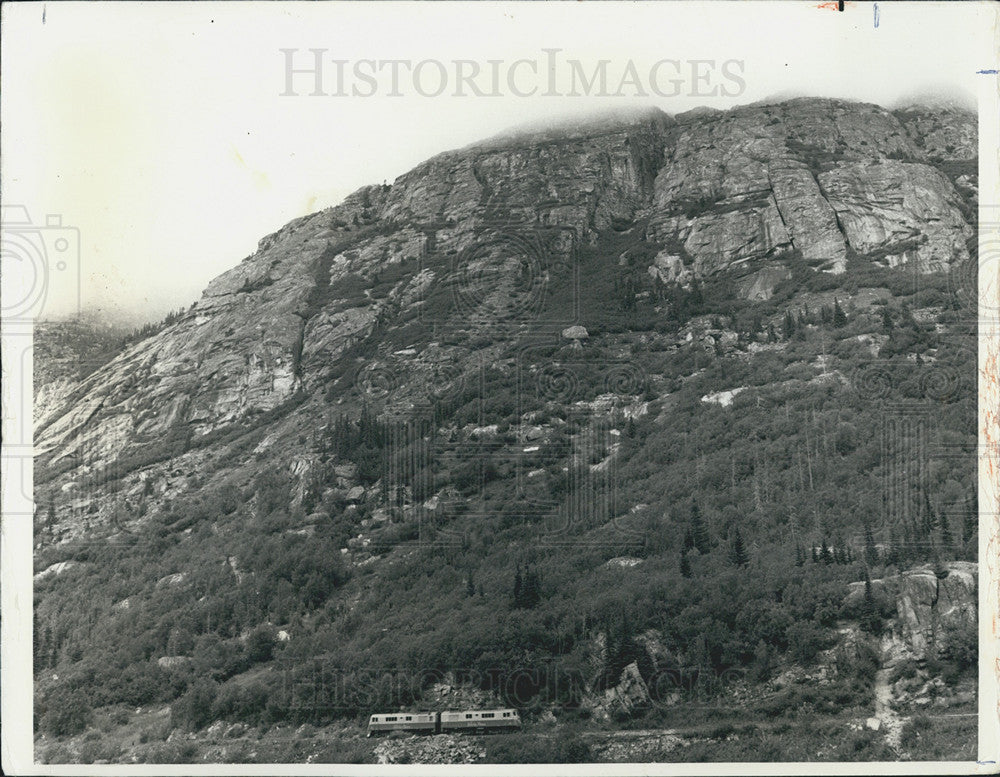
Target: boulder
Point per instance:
(55, 570)
(575, 333)
(669, 268)
(173, 662)
(175, 579)
(630, 692)
(356, 494)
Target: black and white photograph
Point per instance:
(442, 383)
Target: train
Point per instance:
(475, 721)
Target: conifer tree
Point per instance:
(531, 589)
(891, 553)
(970, 525)
(685, 564)
(789, 326)
(946, 539)
(869, 618)
(871, 552)
(699, 532)
(927, 526)
(737, 549)
(839, 317)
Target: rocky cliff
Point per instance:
(736, 192)
(931, 605)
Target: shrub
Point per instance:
(194, 709)
(805, 640)
(66, 713)
(260, 644)
(959, 644)
(241, 703)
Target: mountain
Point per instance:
(557, 395)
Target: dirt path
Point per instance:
(892, 724)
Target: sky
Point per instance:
(159, 135)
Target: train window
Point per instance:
(468, 715)
(487, 714)
(506, 714)
(390, 719)
(409, 717)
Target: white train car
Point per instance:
(417, 722)
(480, 720)
(472, 721)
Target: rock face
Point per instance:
(927, 606)
(942, 132)
(335, 305)
(757, 181)
(628, 694)
(906, 212)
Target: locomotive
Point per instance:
(475, 721)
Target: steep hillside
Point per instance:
(548, 400)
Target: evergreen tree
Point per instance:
(946, 539)
(800, 556)
(839, 317)
(470, 585)
(518, 586)
(37, 644)
(737, 549)
(886, 319)
(970, 525)
(685, 564)
(906, 548)
(699, 532)
(696, 298)
(825, 554)
(927, 526)
(50, 519)
(871, 552)
(891, 554)
(789, 325)
(531, 589)
(869, 618)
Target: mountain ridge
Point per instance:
(552, 400)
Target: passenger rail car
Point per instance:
(475, 721)
(426, 722)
